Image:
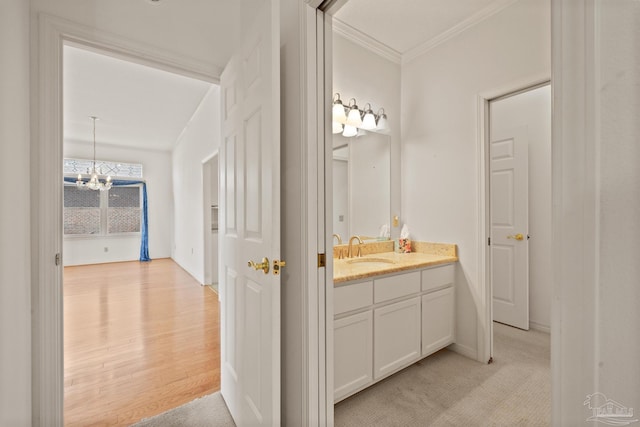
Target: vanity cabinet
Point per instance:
(388, 323)
(437, 320)
(353, 338)
(353, 353)
(396, 336)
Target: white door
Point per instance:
(509, 218)
(250, 220)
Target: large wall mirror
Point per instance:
(361, 185)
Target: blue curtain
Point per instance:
(144, 242)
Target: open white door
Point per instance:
(250, 220)
(508, 154)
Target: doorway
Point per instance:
(519, 201)
(122, 313)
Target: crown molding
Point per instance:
(494, 8)
(366, 41)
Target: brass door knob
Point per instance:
(518, 236)
(264, 265)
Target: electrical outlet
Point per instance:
(106, 249)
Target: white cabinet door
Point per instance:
(397, 336)
(352, 353)
(437, 320)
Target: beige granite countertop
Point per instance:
(345, 270)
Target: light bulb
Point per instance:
(349, 131)
(369, 121)
(382, 125)
(354, 119)
(337, 127)
(338, 110)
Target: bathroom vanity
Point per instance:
(390, 310)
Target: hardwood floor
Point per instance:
(140, 338)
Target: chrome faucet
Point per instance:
(350, 253)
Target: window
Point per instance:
(81, 211)
(89, 212)
(123, 212)
(102, 213)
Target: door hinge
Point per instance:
(489, 241)
(58, 258)
(322, 260)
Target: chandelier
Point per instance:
(94, 182)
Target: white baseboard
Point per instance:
(464, 350)
(539, 327)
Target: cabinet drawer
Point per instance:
(396, 286)
(352, 297)
(437, 277)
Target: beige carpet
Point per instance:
(208, 411)
(447, 389)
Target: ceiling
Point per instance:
(404, 25)
(137, 106)
(147, 108)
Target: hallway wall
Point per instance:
(199, 140)
(15, 212)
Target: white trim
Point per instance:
(575, 355)
(106, 43)
(494, 8)
(325, 154)
(46, 124)
(539, 327)
(485, 323)
(210, 156)
(464, 350)
(366, 41)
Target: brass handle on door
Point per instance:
(264, 265)
(518, 236)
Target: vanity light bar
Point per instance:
(349, 119)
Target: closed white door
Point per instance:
(250, 220)
(509, 219)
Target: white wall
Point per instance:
(15, 257)
(440, 134)
(199, 140)
(361, 74)
(533, 110)
(156, 166)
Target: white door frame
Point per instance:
(206, 198)
(46, 130)
(315, 389)
(485, 321)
